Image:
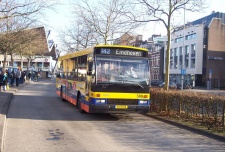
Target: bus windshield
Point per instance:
(119, 69)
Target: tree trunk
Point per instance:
(12, 59)
(21, 63)
(5, 59)
(166, 86)
(28, 63)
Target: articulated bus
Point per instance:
(99, 79)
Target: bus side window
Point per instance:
(83, 77)
(82, 67)
(75, 69)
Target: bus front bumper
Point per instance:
(119, 108)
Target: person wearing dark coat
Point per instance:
(1, 80)
(12, 78)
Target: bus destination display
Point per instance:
(121, 52)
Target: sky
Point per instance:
(56, 20)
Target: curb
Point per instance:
(4, 111)
(195, 130)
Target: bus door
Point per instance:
(90, 76)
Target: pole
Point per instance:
(183, 56)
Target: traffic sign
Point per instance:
(210, 73)
(183, 71)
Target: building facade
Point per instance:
(198, 51)
(43, 63)
(155, 46)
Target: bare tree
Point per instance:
(164, 11)
(77, 37)
(15, 16)
(26, 8)
(102, 20)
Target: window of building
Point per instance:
(190, 36)
(193, 48)
(186, 49)
(171, 65)
(171, 52)
(180, 39)
(181, 50)
(175, 64)
(193, 63)
(180, 64)
(175, 52)
(186, 63)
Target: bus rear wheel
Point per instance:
(61, 95)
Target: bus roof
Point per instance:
(78, 53)
(91, 49)
(122, 46)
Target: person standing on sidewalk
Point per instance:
(5, 81)
(18, 75)
(29, 76)
(12, 77)
(1, 80)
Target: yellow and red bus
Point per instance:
(99, 79)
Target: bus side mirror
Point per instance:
(90, 65)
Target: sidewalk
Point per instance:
(212, 91)
(5, 99)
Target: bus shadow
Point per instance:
(50, 108)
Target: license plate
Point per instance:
(121, 107)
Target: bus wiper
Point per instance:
(135, 83)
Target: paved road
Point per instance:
(38, 121)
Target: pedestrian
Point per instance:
(12, 78)
(9, 80)
(1, 80)
(29, 76)
(24, 76)
(38, 76)
(193, 84)
(18, 75)
(5, 81)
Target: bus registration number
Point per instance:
(121, 107)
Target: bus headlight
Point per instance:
(100, 101)
(143, 102)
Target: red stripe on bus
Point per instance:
(58, 93)
(85, 107)
(72, 100)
